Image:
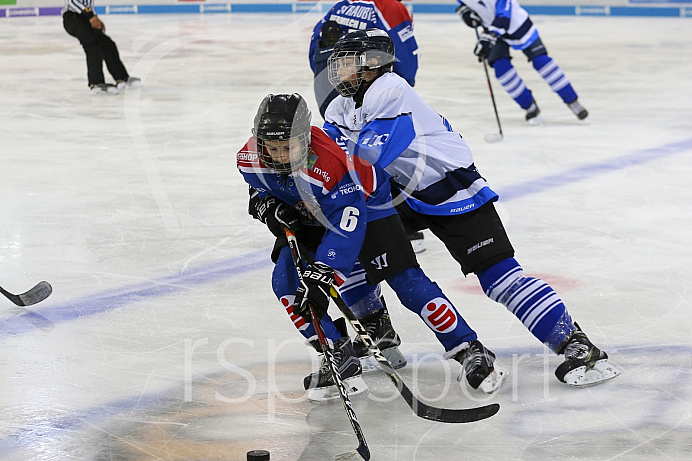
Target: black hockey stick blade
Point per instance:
(448, 415)
(492, 137)
(35, 295)
(359, 454)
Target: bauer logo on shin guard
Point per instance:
(439, 316)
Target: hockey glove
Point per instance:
(469, 16)
(485, 45)
(314, 290)
(276, 214)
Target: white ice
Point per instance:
(163, 340)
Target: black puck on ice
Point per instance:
(258, 455)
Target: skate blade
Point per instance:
(536, 121)
(355, 385)
(602, 371)
(495, 380)
(393, 355)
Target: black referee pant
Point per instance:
(98, 48)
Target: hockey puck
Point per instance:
(258, 455)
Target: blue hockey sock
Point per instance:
(284, 285)
(512, 83)
(531, 300)
(422, 296)
(553, 75)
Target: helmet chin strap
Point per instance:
(364, 85)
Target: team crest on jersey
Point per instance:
(439, 315)
(312, 159)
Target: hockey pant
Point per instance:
(546, 68)
(531, 300)
(356, 293)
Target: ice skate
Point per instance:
(104, 89)
(533, 114)
(320, 384)
(479, 366)
(131, 82)
(380, 329)
(578, 109)
(417, 242)
(584, 364)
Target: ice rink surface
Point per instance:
(163, 340)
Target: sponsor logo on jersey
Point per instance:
(355, 16)
(347, 189)
(320, 172)
(479, 245)
(247, 156)
(376, 140)
(297, 320)
(405, 33)
(439, 315)
(380, 262)
(331, 254)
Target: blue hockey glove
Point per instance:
(276, 214)
(485, 45)
(314, 289)
(469, 16)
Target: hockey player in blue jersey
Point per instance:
(505, 23)
(341, 211)
(380, 118)
(348, 15)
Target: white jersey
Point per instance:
(430, 164)
(507, 19)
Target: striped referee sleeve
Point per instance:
(79, 6)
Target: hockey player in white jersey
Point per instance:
(505, 23)
(381, 119)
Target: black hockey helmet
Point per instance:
(283, 117)
(363, 50)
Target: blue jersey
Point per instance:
(388, 15)
(341, 193)
(430, 164)
(507, 19)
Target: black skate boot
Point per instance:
(320, 384)
(417, 242)
(480, 367)
(584, 364)
(533, 114)
(578, 109)
(104, 89)
(380, 329)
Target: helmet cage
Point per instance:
(299, 149)
(347, 84)
(370, 50)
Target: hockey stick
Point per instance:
(491, 137)
(443, 415)
(35, 295)
(362, 452)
